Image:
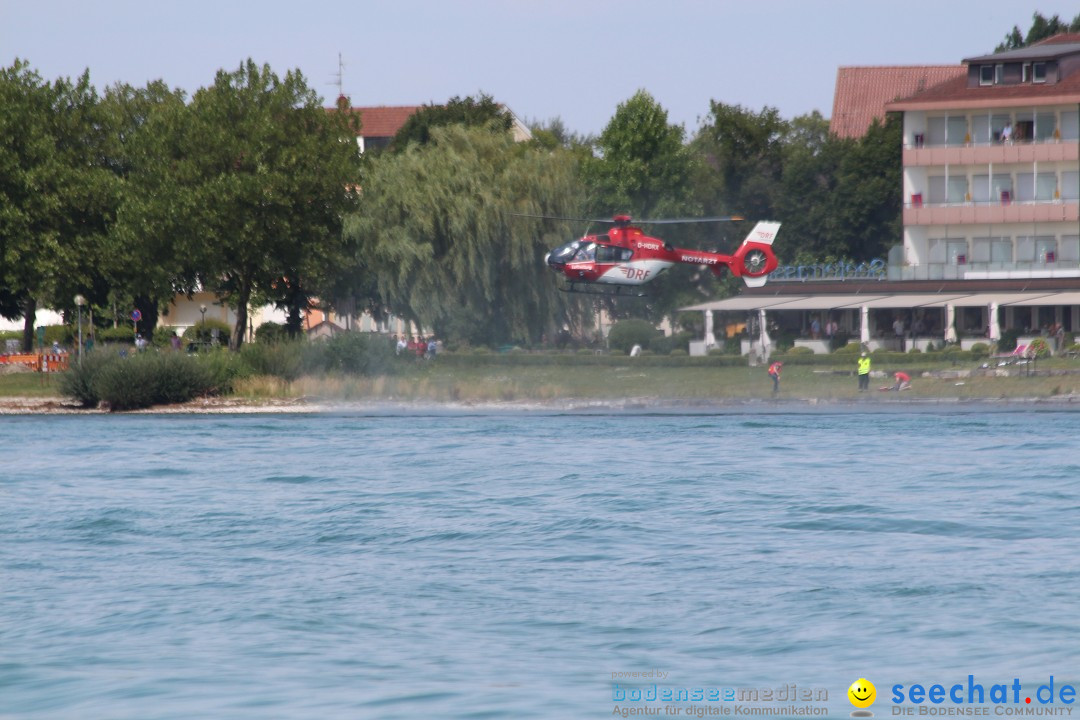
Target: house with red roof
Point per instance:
(991, 206)
(379, 124)
(862, 92)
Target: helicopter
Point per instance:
(626, 257)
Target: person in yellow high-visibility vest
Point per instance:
(864, 372)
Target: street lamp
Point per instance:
(202, 329)
(79, 302)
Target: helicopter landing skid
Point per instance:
(615, 291)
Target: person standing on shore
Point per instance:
(774, 373)
(864, 372)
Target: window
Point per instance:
(1045, 249)
(1038, 72)
(958, 188)
(936, 190)
(997, 125)
(1045, 124)
(935, 131)
(1026, 76)
(991, 250)
(609, 253)
(1070, 249)
(947, 251)
(1025, 187)
(1070, 185)
(986, 75)
(1045, 186)
(956, 131)
(1070, 125)
(980, 188)
(980, 129)
(1031, 187)
(1025, 248)
(1001, 188)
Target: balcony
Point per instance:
(1020, 152)
(985, 271)
(1003, 211)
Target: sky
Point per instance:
(571, 59)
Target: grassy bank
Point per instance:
(486, 383)
(626, 379)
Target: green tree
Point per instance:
(140, 123)
(56, 195)
(437, 227)
(469, 111)
(740, 160)
(251, 184)
(642, 166)
(811, 164)
(1041, 29)
(864, 217)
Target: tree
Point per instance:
(469, 111)
(1041, 29)
(56, 195)
(741, 156)
(864, 217)
(138, 124)
(251, 185)
(436, 225)
(809, 178)
(642, 166)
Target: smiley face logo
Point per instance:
(862, 693)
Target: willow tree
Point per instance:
(439, 226)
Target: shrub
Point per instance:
(664, 345)
(202, 332)
(128, 383)
(119, 334)
(79, 380)
(1038, 348)
(353, 353)
(980, 350)
(1007, 342)
(283, 360)
(270, 332)
(800, 351)
(852, 348)
(625, 334)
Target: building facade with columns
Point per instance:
(991, 213)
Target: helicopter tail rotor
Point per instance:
(755, 259)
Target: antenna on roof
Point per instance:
(340, 77)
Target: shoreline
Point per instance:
(24, 406)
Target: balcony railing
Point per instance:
(1007, 209)
(985, 270)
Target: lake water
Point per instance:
(472, 565)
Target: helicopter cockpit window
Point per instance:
(586, 253)
(609, 253)
(565, 252)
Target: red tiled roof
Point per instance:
(862, 93)
(1061, 38)
(383, 120)
(955, 93)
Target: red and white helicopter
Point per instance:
(625, 256)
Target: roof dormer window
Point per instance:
(1038, 72)
(991, 74)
